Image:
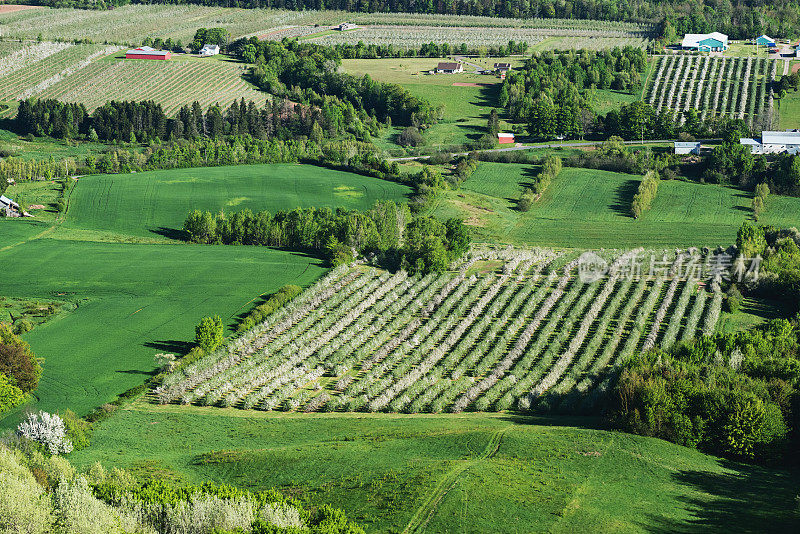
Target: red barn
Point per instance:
(505, 138)
(145, 52)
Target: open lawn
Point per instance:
(135, 299)
(466, 108)
(789, 111)
(157, 202)
(451, 473)
(590, 208)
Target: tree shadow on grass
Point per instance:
(174, 346)
(171, 233)
(623, 197)
(139, 372)
(489, 96)
(746, 499)
(580, 421)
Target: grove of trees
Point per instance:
(388, 230)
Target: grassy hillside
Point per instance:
(133, 301)
(450, 473)
(138, 295)
(151, 203)
(590, 208)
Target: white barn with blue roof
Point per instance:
(705, 42)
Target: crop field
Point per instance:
(613, 28)
(469, 472)
(148, 203)
(172, 84)
(737, 87)
(508, 329)
(402, 36)
(130, 24)
(37, 67)
(591, 209)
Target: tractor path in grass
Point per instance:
(425, 513)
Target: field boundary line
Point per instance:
(425, 513)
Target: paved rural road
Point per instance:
(552, 145)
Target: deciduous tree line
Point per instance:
(552, 94)
(388, 230)
(731, 394)
(308, 73)
(374, 51)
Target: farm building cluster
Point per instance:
(774, 143)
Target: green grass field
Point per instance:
(789, 111)
(466, 108)
(453, 473)
(45, 147)
(137, 299)
(150, 203)
(590, 208)
(133, 301)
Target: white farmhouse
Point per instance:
(209, 50)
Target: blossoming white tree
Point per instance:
(47, 429)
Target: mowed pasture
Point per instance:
(588, 208)
(789, 107)
(137, 299)
(174, 83)
(157, 202)
(133, 302)
(448, 473)
(510, 329)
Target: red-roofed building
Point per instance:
(146, 52)
(505, 138)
